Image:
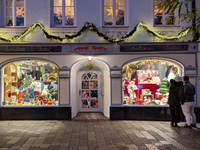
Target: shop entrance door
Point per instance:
(90, 93)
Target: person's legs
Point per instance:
(177, 114)
(193, 121)
(173, 117)
(186, 111)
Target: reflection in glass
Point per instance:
(85, 94)
(8, 21)
(85, 103)
(57, 15)
(93, 84)
(94, 93)
(85, 84)
(158, 20)
(94, 103)
(108, 20)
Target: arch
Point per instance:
(80, 66)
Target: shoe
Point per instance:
(176, 125)
(187, 126)
(193, 125)
(172, 124)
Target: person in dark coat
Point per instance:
(174, 101)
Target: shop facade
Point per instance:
(125, 81)
(62, 57)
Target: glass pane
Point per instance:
(157, 11)
(94, 93)
(19, 21)
(93, 84)
(94, 76)
(108, 11)
(69, 2)
(170, 20)
(8, 3)
(8, 21)
(158, 20)
(119, 20)
(57, 2)
(119, 10)
(85, 94)
(30, 83)
(20, 11)
(108, 20)
(94, 103)
(119, 2)
(157, 2)
(69, 20)
(85, 103)
(85, 84)
(57, 15)
(8, 11)
(84, 77)
(69, 11)
(20, 3)
(89, 75)
(108, 3)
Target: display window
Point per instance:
(30, 82)
(145, 82)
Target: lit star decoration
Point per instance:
(111, 11)
(19, 11)
(66, 11)
(156, 10)
(93, 28)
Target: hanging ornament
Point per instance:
(89, 65)
(25, 95)
(37, 93)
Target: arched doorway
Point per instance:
(88, 93)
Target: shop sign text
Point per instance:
(8, 49)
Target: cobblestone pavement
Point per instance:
(97, 135)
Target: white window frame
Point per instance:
(14, 15)
(164, 18)
(114, 14)
(63, 16)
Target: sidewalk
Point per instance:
(97, 135)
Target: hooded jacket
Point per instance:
(174, 88)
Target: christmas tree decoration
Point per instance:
(163, 87)
(92, 27)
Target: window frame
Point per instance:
(63, 16)
(14, 15)
(164, 18)
(114, 15)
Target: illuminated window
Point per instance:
(162, 19)
(30, 83)
(145, 82)
(14, 13)
(63, 13)
(114, 13)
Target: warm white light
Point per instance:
(89, 57)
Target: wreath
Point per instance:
(174, 70)
(89, 65)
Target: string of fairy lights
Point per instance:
(92, 27)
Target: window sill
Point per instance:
(63, 27)
(166, 26)
(115, 26)
(8, 29)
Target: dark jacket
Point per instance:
(174, 88)
(189, 91)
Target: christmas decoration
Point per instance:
(19, 11)
(174, 70)
(89, 65)
(92, 27)
(163, 87)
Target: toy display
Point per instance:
(143, 85)
(30, 83)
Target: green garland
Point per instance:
(92, 27)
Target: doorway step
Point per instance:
(90, 116)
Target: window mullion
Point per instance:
(63, 12)
(14, 13)
(114, 12)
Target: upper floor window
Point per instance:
(163, 19)
(63, 13)
(114, 13)
(14, 13)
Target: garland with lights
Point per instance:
(92, 27)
